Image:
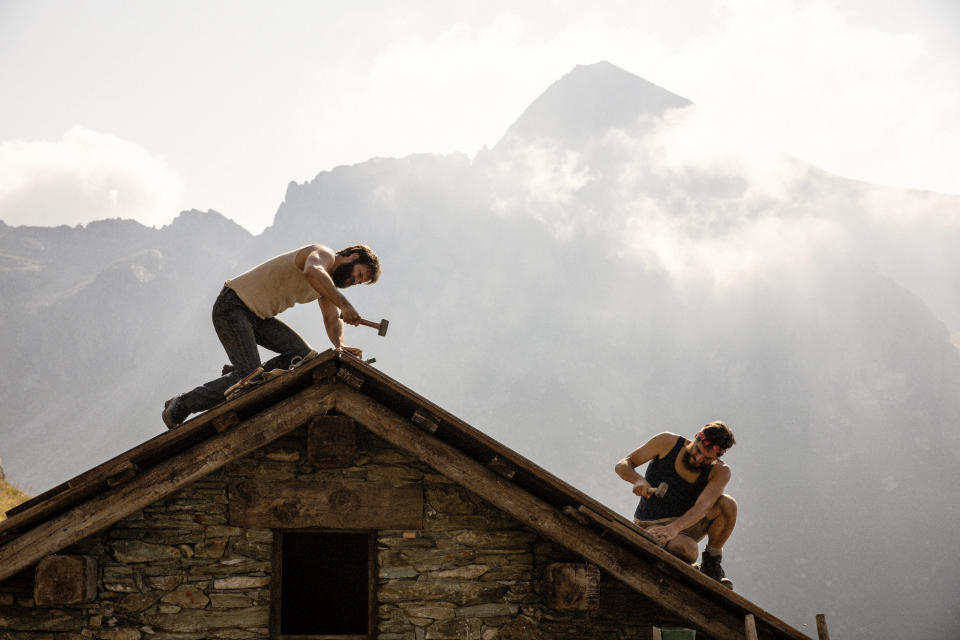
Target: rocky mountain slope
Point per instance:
(10, 496)
(606, 272)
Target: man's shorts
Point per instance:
(696, 531)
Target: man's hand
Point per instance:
(666, 532)
(642, 488)
(352, 351)
(349, 315)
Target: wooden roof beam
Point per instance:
(693, 605)
(163, 479)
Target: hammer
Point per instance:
(381, 326)
(660, 491)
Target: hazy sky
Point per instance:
(142, 109)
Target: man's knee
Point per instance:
(683, 547)
(725, 506)
(728, 506)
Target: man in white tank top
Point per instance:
(244, 315)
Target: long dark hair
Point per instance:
(367, 257)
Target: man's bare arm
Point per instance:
(656, 447)
(332, 322)
(316, 265)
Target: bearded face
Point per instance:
(696, 457)
(343, 275)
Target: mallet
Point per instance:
(660, 491)
(381, 326)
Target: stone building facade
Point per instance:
(333, 503)
(182, 569)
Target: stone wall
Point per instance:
(178, 570)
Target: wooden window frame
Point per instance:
(276, 586)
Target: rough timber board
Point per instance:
(556, 492)
(162, 446)
(529, 478)
(678, 597)
(65, 580)
(302, 504)
(162, 479)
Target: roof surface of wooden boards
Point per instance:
(335, 382)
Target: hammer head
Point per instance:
(383, 327)
(660, 491)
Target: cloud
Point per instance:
(541, 180)
(873, 104)
(710, 205)
(813, 78)
(84, 176)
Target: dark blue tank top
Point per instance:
(680, 496)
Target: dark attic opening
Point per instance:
(326, 584)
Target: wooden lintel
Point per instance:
(425, 422)
(501, 466)
(336, 504)
(163, 479)
(224, 421)
(717, 618)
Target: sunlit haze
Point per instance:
(141, 110)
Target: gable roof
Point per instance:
(139, 477)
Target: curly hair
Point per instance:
(719, 434)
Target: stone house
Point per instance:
(334, 503)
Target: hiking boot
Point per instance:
(710, 567)
(174, 412)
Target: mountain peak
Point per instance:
(588, 101)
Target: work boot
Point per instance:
(710, 567)
(174, 412)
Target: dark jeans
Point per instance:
(240, 331)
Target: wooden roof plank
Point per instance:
(159, 481)
(161, 447)
(553, 490)
(677, 597)
(468, 445)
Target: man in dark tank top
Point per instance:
(695, 505)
